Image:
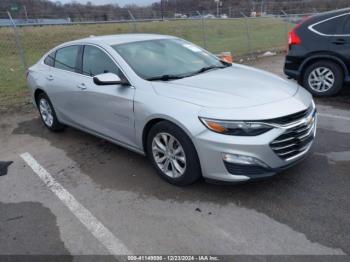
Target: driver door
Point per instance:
(107, 109)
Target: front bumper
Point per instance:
(211, 147)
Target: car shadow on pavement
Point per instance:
(341, 100)
(312, 197)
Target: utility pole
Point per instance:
(162, 9)
(262, 8)
(217, 8)
(25, 12)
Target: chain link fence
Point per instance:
(24, 44)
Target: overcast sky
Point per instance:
(119, 2)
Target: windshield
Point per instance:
(166, 58)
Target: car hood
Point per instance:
(233, 87)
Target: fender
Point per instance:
(326, 56)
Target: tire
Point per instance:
(179, 149)
(48, 114)
(327, 78)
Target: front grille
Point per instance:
(291, 118)
(295, 140)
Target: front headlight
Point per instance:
(236, 128)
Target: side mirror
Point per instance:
(108, 79)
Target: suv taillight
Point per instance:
(294, 39)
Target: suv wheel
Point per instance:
(323, 78)
(47, 113)
(173, 154)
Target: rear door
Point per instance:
(341, 42)
(63, 84)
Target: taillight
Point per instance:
(294, 39)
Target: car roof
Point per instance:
(315, 18)
(338, 11)
(332, 13)
(120, 39)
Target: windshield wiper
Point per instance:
(165, 78)
(207, 68)
(202, 70)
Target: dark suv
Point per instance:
(319, 52)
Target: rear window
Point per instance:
(329, 27)
(50, 59)
(346, 29)
(66, 58)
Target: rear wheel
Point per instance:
(173, 154)
(47, 113)
(323, 78)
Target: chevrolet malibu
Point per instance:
(192, 114)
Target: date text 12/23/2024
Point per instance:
(174, 258)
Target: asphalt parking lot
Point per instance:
(75, 194)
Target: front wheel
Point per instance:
(173, 154)
(323, 78)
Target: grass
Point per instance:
(215, 35)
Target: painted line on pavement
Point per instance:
(97, 229)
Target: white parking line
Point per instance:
(334, 116)
(97, 229)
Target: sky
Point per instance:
(119, 2)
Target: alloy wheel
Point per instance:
(46, 112)
(169, 155)
(321, 79)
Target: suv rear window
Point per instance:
(330, 27)
(346, 29)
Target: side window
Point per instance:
(330, 27)
(66, 58)
(50, 59)
(346, 28)
(96, 62)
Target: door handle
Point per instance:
(81, 86)
(50, 77)
(339, 42)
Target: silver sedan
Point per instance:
(192, 114)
